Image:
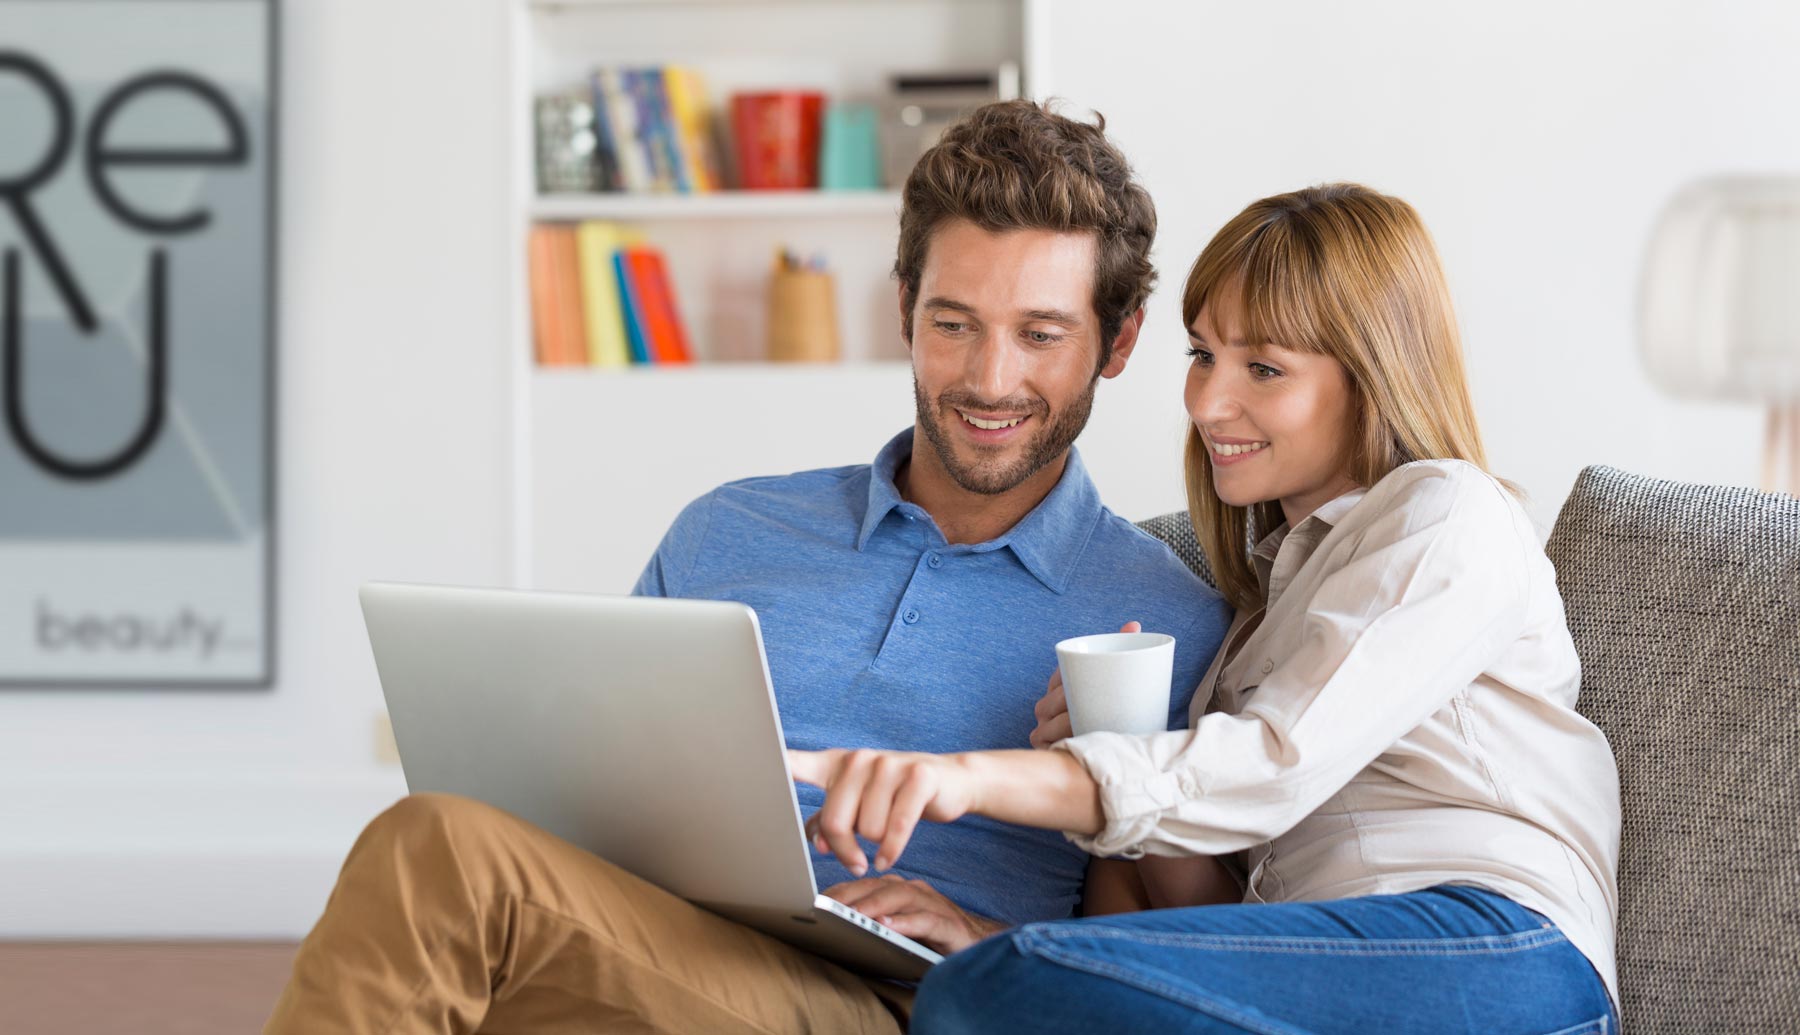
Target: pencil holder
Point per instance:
(802, 317)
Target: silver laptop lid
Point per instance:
(643, 730)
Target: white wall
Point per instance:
(1538, 139)
(151, 812)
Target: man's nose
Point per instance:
(995, 368)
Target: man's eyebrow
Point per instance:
(1052, 316)
(940, 302)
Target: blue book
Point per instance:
(643, 100)
(632, 305)
(662, 115)
(606, 140)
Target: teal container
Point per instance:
(849, 155)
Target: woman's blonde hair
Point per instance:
(1347, 272)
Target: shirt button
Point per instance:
(910, 617)
(1268, 666)
(935, 560)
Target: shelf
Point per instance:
(729, 369)
(784, 204)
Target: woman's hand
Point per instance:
(917, 910)
(1052, 709)
(880, 795)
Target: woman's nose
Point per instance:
(1210, 399)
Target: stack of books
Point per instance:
(601, 297)
(653, 131)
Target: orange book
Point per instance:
(662, 321)
(569, 341)
(543, 294)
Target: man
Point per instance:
(912, 603)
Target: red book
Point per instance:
(662, 322)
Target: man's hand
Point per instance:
(1052, 709)
(917, 910)
(880, 795)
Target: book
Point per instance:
(570, 343)
(666, 132)
(558, 337)
(631, 310)
(664, 334)
(607, 174)
(604, 321)
(543, 306)
(693, 129)
(643, 97)
(622, 126)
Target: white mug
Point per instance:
(1118, 682)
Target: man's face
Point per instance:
(1004, 349)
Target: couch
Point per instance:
(1684, 603)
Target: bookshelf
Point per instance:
(774, 204)
(603, 459)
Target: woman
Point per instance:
(1385, 755)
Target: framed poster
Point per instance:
(137, 230)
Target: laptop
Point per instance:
(641, 729)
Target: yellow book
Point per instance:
(693, 133)
(595, 243)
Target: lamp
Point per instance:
(1720, 309)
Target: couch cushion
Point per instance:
(1684, 602)
(1175, 530)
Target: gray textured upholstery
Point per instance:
(1684, 602)
(1175, 530)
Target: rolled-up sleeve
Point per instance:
(1433, 591)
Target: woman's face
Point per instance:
(1277, 423)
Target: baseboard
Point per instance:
(178, 859)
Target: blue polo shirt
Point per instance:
(880, 633)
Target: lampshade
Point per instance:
(1720, 309)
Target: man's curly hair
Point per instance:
(1017, 165)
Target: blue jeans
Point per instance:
(1446, 959)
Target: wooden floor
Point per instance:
(139, 988)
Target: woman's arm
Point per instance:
(882, 795)
(1198, 880)
(1112, 886)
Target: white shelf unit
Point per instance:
(604, 459)
(735, 204)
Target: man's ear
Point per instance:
(1124, 343)
(905, 318)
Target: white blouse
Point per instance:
(1400, 714)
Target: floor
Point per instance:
(140, 988)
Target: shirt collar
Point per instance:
(1311, 531)
(1049, 541)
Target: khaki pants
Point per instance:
(452, 916)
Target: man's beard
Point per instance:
(1051, 441)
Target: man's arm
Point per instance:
(675, 555)
(917, 910)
